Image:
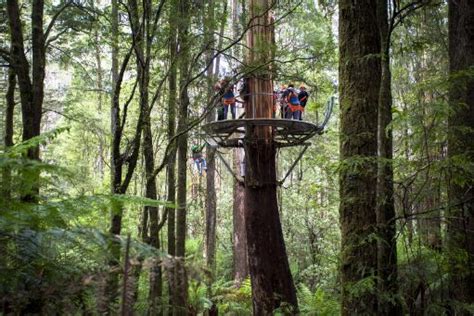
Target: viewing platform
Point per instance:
(286, 132)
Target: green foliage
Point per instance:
(316, 303)
(236, 300)
(54, 251)
(197, 299)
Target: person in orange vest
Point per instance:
(294, 108)
(303, 98)
(226, 92)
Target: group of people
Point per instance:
(292, 102)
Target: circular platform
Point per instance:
(231, 133)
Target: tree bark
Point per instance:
(211, 216)
(143, 31)
(387, 243)
(240, 266)
(120, 180)
(359, 77)
(184, 58)
(461, 153)
(171, 165)
(110, 291)
(33, 126)
(272, 283)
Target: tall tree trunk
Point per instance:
(240, 266)
(120, 180)
(110, 291)
(116, 164)
(144, 38)
(210, 248)
(171, 165)
(359, 77)
(461, 151)
(38, 73)
(387, 243)
(272, 283)
(184, 62)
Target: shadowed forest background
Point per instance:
(103, 211)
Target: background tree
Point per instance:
(31, 87)
(182, 145)
(461, 154)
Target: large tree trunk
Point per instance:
(359, 77)
(461, 151)
(184, 57)
(387, 243)
(272, 283)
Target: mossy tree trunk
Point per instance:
(359, 79)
